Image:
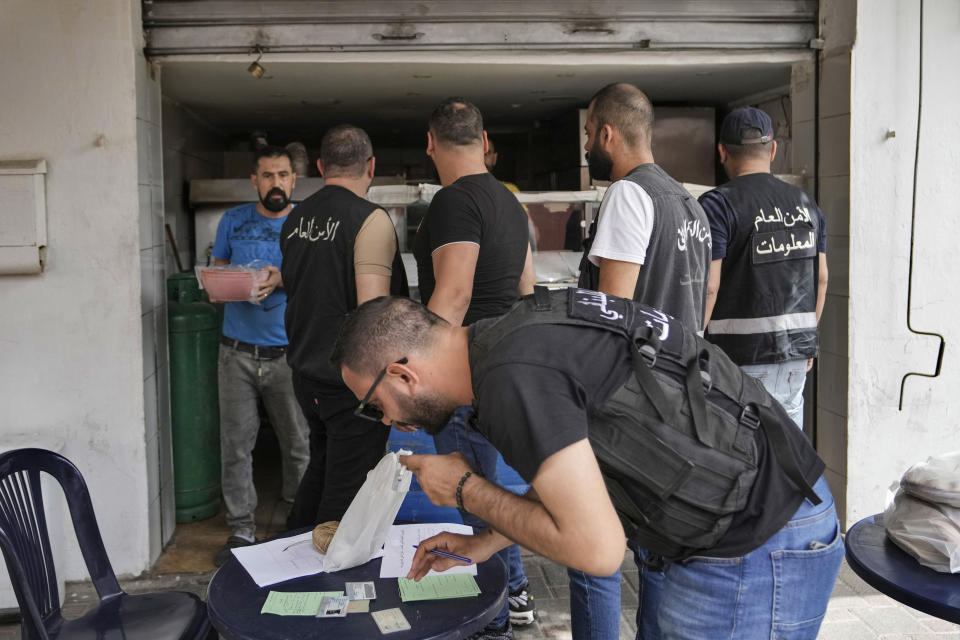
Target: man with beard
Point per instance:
(474, 261)
(651, 239)
(650, 242)
(339, 250)
(252, 364)
(744, 551)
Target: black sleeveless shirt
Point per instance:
(317, 242)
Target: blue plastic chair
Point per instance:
(26, 549)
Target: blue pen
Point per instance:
(452, 556)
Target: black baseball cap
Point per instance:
(736, 127)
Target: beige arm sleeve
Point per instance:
(375, 246)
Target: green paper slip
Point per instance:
(439, 587)
(295, 603)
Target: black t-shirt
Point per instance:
(541, 384)
(480, 210)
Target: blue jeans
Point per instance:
(480, 454)
(779, 590)
(594, 606)
(784, 381)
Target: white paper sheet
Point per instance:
(279, 560)
(398, 550)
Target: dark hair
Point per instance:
(270, 151)
(456, 121)
(344, 151)
(740, 152)
(381, 331)
(626, 109)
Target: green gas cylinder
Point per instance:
(194, 404)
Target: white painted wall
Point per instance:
(882, 441)
(72, 366)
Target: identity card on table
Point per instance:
(333, 607)
(390, 620)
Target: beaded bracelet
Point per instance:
(460, 490)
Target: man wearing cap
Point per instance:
(768, 278)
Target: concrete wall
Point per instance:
(73, 365)
(838, 29)
(883, 441)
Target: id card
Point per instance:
(361, 591)
(358, 606)
(390, 620)
(333, 607)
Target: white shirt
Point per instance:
(624, 224)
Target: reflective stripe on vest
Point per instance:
(770, 324)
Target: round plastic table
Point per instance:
(234, 601)
(890, 570)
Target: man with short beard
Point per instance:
(253, 363)
(651, 239)
(650, 242)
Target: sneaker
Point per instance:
(494, 633)
(521, 606)
(223, 554)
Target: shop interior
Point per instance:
(533, 112)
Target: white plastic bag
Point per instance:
(937, 480)
(928, 532)
(365, 525)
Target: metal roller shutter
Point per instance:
(174, 27)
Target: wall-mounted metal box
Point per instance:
(23, 216)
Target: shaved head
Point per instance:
(626, 109)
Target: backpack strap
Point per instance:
(644, 347)
(541, 298)
(696, 395)
(773, 427)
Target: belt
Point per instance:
(259, 352)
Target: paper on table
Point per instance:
(438, 587)
(295, 603)
(398, 550)
(279, 560)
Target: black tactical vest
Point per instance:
(766, 305)
(674, 273)
(317, 241)
(678, 442)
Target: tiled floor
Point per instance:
(856, 610)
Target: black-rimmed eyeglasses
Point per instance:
(371, 411)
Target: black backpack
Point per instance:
(677, 442)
